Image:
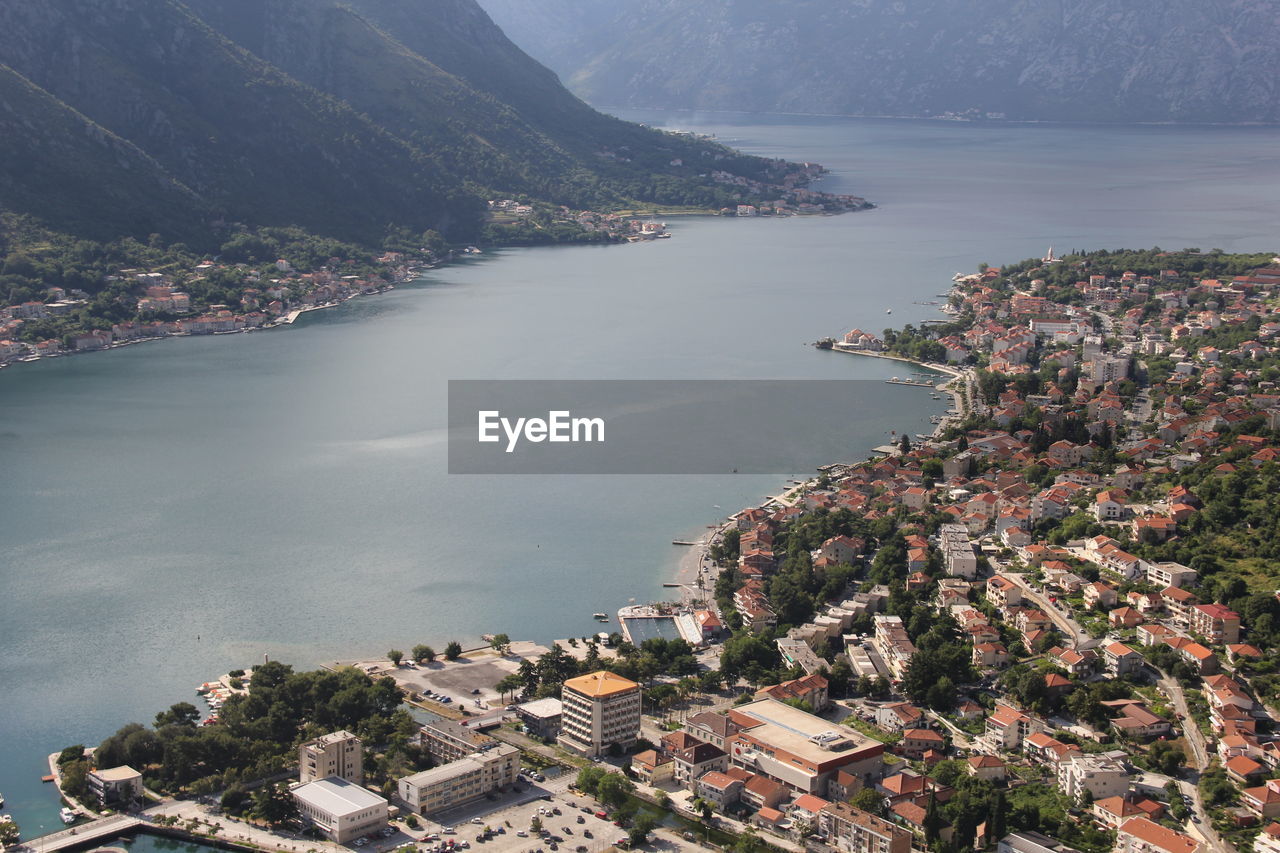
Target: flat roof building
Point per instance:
(798, 749)
(342, 810)
(115, 784)
(542, 716)
(460, 781)
(338, 754)
(449, 740)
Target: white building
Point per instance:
(340, 809)
(460, 781)
(1101, 775)
(957, 552)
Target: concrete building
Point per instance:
(601, 710)
(1217, 624)
(1031, 842)
(1101, 775)
(449, 740)
(338, 754)
(852, 830)
(341, 810)
(1170, 574)
(115, 784)
(542, 717)
(460, 781)
(800, 750)
(957, 551)
(1140, 835)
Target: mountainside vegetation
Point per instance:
(1094, 60)
(346, 118)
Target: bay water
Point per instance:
(172, 510)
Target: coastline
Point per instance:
(413, 273)
(695, 571)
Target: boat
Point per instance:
(1, 801)
(67, 815)
(600, 617)
(888, 310)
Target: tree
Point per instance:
(423, 653)
(274, 804)
(453, 651)
(588, 780)
(180, 714)
(501, 643)
(868, 800)
(613, 789)
(235, 800)
(639, 832)
(395, 656)
(9, 833)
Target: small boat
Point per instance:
(1, 801)
(67, 815)
(600, 617)
(888, 310)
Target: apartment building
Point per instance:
(600, 710)
(852, 830)
(339, 754)
(460, 781)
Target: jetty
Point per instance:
(682, 542)
(917, 383)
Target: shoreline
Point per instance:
(414, 274)
(688, 571)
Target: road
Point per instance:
(1171, 688)
(1068, 627)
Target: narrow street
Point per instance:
(1068, 627)
(1204, 826)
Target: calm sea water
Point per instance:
(172, 510)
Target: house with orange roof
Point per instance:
(1121, 660)
(1264, 800)
(1008, 727)
(1243, 770)
(1199, 658)
(989, 767)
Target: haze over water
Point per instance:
(173, 510)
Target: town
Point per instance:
(1049, 626)
(213, 295)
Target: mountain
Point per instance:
(1086, 60)
(58, 164)
(343, 117)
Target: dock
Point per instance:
(682, 542)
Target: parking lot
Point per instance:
(576, 828)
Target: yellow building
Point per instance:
(600, 710)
